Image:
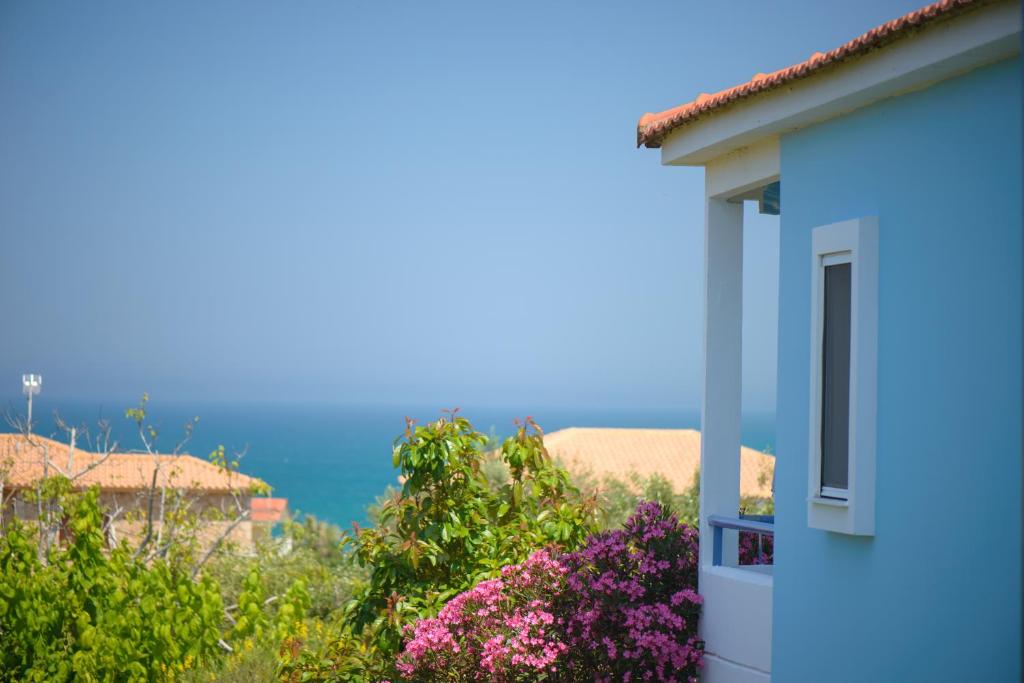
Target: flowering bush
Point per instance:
(756, 548)
(449, 528)
(631, 610)
(623, 608)
(500, 630)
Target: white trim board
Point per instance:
(857, 243)
(956, 46)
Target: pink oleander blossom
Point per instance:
(623, 608)
(756, 548)
(630, 606)
(500, 630)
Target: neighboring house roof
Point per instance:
(21, 464)
(672, 453)
(268, 509)
(654, 128)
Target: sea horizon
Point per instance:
(333, 460)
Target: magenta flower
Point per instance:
(500, 630)
(624, 608)
(630, 605)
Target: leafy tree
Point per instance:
(617, 497)
(448, 528)
(89, 614)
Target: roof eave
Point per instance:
(982, 37)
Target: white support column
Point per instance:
(720, 409)
(736, 622)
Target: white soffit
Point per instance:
(748, 168)
(987, 35)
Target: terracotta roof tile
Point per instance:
(654, 128)
(268, 509)
(21, 464)
(672, 453)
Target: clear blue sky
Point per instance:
(373, 201)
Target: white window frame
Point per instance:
(826, 260)
(850, 510)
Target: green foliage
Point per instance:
(320, 539)
(92, 615)
(304, 607)
(751, 505)
(760, 506)
(218, 457)
(342, 656)
(247, 665)
(307, 579)
(251, 622)
(309, 551)
(72, 608)
(618, 498)
(449, 527)
(138, 414)
(292, 610)
(87, 612)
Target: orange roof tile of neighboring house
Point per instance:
(268, 509)
(654, 128)
(672, 453)
(21, 464)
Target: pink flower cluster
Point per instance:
(630, 607)
(500, 630)
(622, 608)
(756, 548)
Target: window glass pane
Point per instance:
(835, 390)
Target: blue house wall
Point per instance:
(935, 594)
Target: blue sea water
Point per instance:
(332, 461)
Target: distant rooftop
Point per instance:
(21, 464)
(672, 453)
(268, 509)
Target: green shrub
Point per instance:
(308, 551)
(251, 621)
(302, 608)
(449, 527)
(87, 614)
(617, 498)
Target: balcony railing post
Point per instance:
(757, 524)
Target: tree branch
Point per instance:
(220, 539)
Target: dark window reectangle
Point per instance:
(835, 384)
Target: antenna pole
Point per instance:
(31, 385)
